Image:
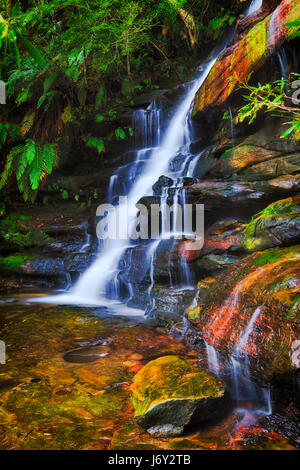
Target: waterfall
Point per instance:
(150, 163)
(212, 358)
(255, 5)
(154, 156)
(244, 387)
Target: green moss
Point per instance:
(19, 230)
(171, 377)
(14, 262)
(258, 233)
(271, 256)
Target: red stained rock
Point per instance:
(237, 62)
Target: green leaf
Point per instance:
(31, 49)
(120, 133)
(288, 132)
(30, 151)
(96, 143)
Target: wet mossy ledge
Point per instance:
(278, 224)
(168, 394)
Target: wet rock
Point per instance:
(222, 237)
(251, 52)
(264, 286)
(283, 425)
(135, 271)
(201, 295)
(78, 262)
(278, 224)
(169, 394)
(214, 263)
(163, 182)
(168, 305)
(86, 355)
(32, 265)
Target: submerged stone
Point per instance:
(169, 393)
(85, 355)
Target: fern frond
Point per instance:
(27, 122)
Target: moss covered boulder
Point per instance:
(169, 393)
(278, 224)
(261, 291)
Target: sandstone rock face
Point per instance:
(235, 65)
(169, 393)
(277, 225)
(266, 284)
(261, 157)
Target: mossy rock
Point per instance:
(266, 280)
(278, 224)
(169, 394)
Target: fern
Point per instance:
(27, 122)
(31, 163)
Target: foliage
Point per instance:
(274, 97)
(18, 230)
(64, 61)
(30, 162)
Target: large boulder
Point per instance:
(261, 293)
(278, 224)
(169, 394)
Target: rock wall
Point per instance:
(247, 55)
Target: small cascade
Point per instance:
(283, 62)
(244, 388)
(254, 6)
(212, 358)
(85, 247)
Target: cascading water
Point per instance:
(153, 158)
(255, 5)
(95, 285)
(244, 387)
(156, 155)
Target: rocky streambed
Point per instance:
(67, 384)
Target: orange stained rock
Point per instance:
(247, 55)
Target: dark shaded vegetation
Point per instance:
(69, 63)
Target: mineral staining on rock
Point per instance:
(270, 280)
(169, 394)
(247, 55)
